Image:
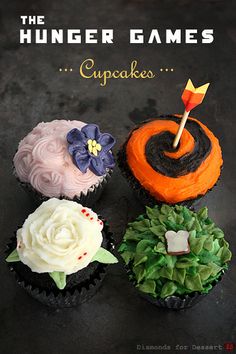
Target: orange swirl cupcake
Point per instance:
(160, 173)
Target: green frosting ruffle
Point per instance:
(159, 274)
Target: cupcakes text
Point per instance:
(88, 71)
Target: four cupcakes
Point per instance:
(174, 256)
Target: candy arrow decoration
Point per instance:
(191, 98)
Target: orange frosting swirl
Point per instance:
(173, 189)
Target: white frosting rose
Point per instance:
(61, 236)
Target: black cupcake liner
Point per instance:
(174, 302)
(68, 297)
(88, 199)
(142, 194)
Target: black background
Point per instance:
(32, 89)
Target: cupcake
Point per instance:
(174, 256)
(65, 159)
(160, 173)
(60, 254)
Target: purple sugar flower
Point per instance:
(91, 149)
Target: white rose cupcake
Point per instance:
(61, 253)
(65, 159)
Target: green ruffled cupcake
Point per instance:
(168, 275)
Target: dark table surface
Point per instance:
(32, 89)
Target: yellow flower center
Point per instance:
(93, 147)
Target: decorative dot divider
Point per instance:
(71, 69)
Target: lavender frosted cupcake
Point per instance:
(65, 159)
(61, 252)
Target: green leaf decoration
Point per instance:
(139, 272)
(152, 213)
(155, 260)
(173, 226)
(139, 259)
(148, 286)
(209, 227)
(224, 254)
(191, 270)
(159, 230)
(148, 235)
(206, 288)
(179, 208)
(59, 279)
(172, 218)
(189, 224)
(155, 222)
(155, 271)
(215, 269)
(104, 256)
(141, 225)
(185, 262)
(193, 282)
(166, 209)
(166, 272)
(122, 247)
(196, 245)
(144, 246)
(127, 256)
(197, 225)
(179, 275)
(13, 257)
(203, 213)
(218, 233)
(131, 246)
(179, 219)
(162, 219)
(216, 246)
(205, 257)
(140, 217)
(192, 235)
(160, 248)
(132, 235)
(223, 242)
(204, 271)
(208, 244)
(168, 289)
(170, 260)
(187, 215)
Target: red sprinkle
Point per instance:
(101, 223)
(85, 253)
(91, 218)
(83, 211)
(87, 214)
(79, 257)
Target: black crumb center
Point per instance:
(160, 143)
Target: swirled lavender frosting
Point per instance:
(43, 161)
